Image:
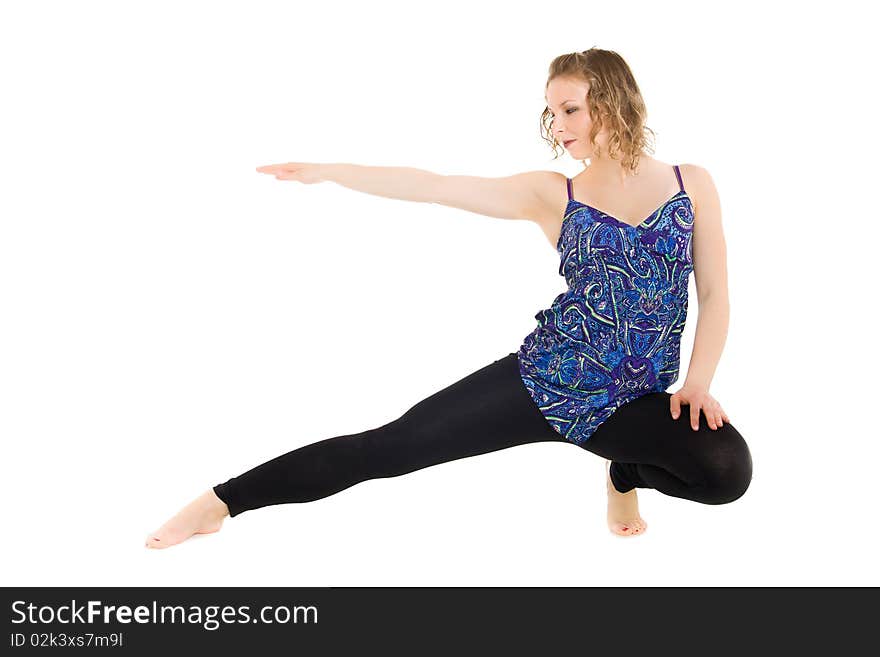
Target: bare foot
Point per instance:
(623, 509)
(204, 515)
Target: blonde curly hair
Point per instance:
(614, 101)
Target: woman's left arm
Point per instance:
(710, 274)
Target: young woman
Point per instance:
(594, 371)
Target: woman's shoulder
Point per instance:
(550, 188)
(697, 183)
(693, 173)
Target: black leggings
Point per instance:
(491, 410)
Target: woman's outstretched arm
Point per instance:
(518, 196)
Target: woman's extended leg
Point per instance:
(650, 449)
(486, 411)
(483, 412)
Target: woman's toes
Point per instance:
(162, 539)
(630, 528)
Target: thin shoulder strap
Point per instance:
(568, 181)
(678, 175)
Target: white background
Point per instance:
(172, 318)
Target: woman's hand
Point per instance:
(304, 172)
(697, 398)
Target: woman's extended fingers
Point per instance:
(277, 168)
(695, 416)
(305, 172)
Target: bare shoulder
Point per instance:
(549, 198)
(699, 185)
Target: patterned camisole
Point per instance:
(615, 334)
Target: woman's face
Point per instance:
(566, 98)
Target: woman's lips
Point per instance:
(567, 143)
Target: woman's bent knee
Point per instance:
(728, 467)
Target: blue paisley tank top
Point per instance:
(615, 333)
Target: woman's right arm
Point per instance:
(520, 196)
